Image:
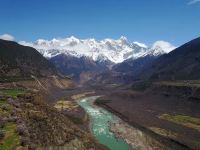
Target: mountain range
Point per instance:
(80, 58)
(107, 59)
(115, 51)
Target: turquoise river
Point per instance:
(100, 124)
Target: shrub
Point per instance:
(2, 134)
(22, 130)
(2, 122)
(24, 141)
(13, 102)
(5, 107)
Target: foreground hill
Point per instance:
(22, 61)
(28, 122)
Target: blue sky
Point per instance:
(176, 21)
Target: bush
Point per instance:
(24, 141)
(12, 119)
(2, 134)
(2, 122)
(13, 102)
(5, 107)
(22, 130)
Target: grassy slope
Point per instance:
(11, 137)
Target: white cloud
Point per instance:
(193, 1)
(7, 37)
(166, 46)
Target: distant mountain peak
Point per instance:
(123, 39)
(163, 46)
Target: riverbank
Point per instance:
(151, 140)
(134, 137)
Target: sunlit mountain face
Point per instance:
(115, 51)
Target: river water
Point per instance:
(100, 121)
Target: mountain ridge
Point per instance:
(115, 51)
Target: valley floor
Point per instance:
(158, 115)
(169, 112)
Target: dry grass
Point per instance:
(187, 121)
(65, 105)
(187, 83)
(12, 92)
(11, 139)
(79, 96)
(163, 132)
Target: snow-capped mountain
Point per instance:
(161, 47)
(115, 51)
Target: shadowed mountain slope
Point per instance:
(74, 67)
(181, 64)
(21, 61)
